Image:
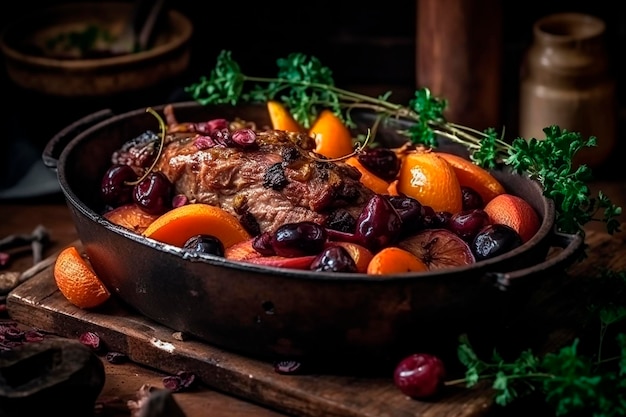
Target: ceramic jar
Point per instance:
(566, 81)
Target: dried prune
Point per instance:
(205, 244)
(493, 240)
(298, 239)
(334, 258)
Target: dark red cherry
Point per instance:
(419, 375)
(379, 224)
(114, 188)
(382, 162)
(154, 193)
(467, 223)
(471, 199)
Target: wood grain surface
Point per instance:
(550, 316)
(39, 304)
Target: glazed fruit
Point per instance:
(205, 244)
(493, 240)
(382, 162)
(439, 248)
(333, 139)
(419, 375)
(368, 178)
(115, 188)
(471, 198)
(154, 193)
(281, 118)
(298, 239)
(176, 226)
(379, 224)
(131, 217)
(430, 179)
(334, 258)
(359, 254)
(411, 212)
(244, 252)
(515, 212)
(467, 223)
(394, 260)
(474, 176)
(262, 243)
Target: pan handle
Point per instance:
(55, 146)
(572, 246)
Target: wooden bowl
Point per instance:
(34, 63)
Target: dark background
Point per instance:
(369, 49)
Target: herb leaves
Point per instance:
(570, 382)
(306, 87)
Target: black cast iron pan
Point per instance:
(275, 313)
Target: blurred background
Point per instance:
(370, 50)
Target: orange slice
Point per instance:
(77, 281)
(370, 180)
(431, 180)
(395, 260)
(131, 217)
(282, 119)
(333, 139)
(474, 176)
(181, 223)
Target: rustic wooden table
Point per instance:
(124, 380)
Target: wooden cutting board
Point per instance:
(39, 304)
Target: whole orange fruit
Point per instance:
(515, 212)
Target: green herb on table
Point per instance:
(570, 382)
(306, 87)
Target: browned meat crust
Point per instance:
(276, 182)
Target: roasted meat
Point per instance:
(274, 180)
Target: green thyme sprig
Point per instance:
(570, 382)
(306, 87)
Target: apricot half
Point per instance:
(179, 224)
